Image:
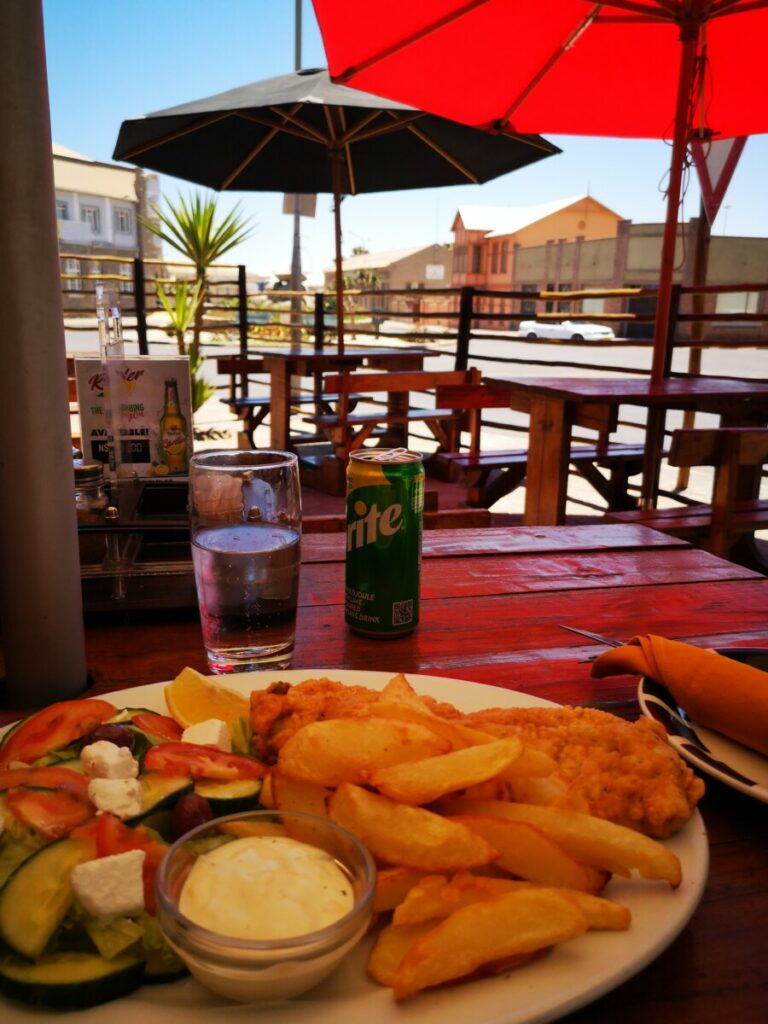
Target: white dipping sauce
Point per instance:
(266, 887)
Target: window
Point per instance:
(549, 305)
(91, 215)
(477, 258)
(495, 258)
(504, 257)
(123, 221)
(737, 302)
(124, 269)
(62, 210)
(72, 284)
(565, 306)
(528, 306)
(460, 259)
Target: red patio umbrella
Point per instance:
(674, 69)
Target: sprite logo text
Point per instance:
(372, 524)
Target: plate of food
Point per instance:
(709, 751)
(640, 875)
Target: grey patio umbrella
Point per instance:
(300, 133)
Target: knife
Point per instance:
(592, 636)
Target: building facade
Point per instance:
(99, 207)
(578, 244)
(398, 271)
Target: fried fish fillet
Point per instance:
(625, 772)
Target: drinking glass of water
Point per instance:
(245, 512)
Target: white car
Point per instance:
(574, 330)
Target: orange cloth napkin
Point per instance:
(716, 691)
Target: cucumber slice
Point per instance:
(70, 981)
(38, 894)
(231, 796)
(159, 792)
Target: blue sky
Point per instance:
(113, 59)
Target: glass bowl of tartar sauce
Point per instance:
(264, 905)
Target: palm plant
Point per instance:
(190, 227)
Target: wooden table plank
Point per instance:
(324, 547)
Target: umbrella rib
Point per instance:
(253, 154)
(170, 136)
(407, 41)
(289, 124)
(548, 65)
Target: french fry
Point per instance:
(406, 836)
(399, 700)
(392, 943)
(330, 752)
(593, 841)
(392, 887)
(481, 933)
(436, 896)
(296, 795)
(421, 782)
(528, 853)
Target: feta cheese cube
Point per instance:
(121, 797)
(105, 760)
(210, 733)
(111, 886)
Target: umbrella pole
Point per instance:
(336, 174)
(689, 36)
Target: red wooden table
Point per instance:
(554, 404)
(492, 601)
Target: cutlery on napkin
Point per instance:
(717, 692)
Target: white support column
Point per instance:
(41, 614)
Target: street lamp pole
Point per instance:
(296, 302)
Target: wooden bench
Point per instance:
(720, 524)
(348, 430)
(489, 475)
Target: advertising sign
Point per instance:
(151, 413)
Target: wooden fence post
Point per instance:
(319, 321)
(140, 303)
(242, 306)
(464, 330)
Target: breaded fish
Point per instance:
(622, 771)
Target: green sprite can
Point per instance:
(385, 509)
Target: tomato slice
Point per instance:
(53, 728)
(48, 777)
(112, 836)
(51, 814)
(201, 761)
(162, 726)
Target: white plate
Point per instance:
(569, 977)
(711, 752)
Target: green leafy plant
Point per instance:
(190, 226)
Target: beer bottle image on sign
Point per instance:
(173, 431)
(385, 507)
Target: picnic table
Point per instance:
(556, 403)
(492, 604)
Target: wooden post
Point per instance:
(319, 321)
(140, 303)
(464, 329)
(40, 593)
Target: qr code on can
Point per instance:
(402, 612)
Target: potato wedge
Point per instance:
(421, 782)
(529, 853)
(392, 943)
(590, 840)
(296, 795)
(406, 836)
(436, 896)
(339, 750)
(393, 885)
(399, 700)
(505, 926)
